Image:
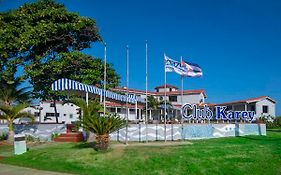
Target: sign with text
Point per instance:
(193, 111)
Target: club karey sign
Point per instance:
(192, 111)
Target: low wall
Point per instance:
(42, 131)
(137, 132)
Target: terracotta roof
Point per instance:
(167, 85)
(178, 92)
(115, 104)
(185, 92)
(124, 89)
(249, 100)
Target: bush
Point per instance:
(3, 136)
(273, 123)
(54, 135)
(31, 138)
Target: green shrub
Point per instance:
(3, 136)
(30, 138)
(54, 135)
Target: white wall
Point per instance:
(193, 98)
(65, 111)
(271, 108)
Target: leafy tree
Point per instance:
(72, 65)
(37, 32)
(10, 113)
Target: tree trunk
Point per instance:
(11, 133)
(56, 111)
(102, 141)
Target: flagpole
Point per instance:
(146, 87)
(104, 81)
(165, 102)
(127, 92)
(181, 94)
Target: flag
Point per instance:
(174, 66)
(192, 70)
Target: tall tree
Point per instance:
(72, 65)
(36, 34)
(38, 31)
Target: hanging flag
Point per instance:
(174, 66)
(191, 69)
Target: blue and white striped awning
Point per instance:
(67, 84)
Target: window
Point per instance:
(118, 110)
(253, 108)
(173, 98)
(37, 114)
(112, 110)
(52, 105)
(132, 110)
(52, 114)
(70, 115)
(64, 114)
(264, 109)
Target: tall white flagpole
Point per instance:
(146, 87)
(127, 92)
(165, 102)
(181, 94)
(104, 79)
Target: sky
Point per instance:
(237, 43)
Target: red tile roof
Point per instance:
(249, 100)
(116, 104)
(178, 92)
(167, 86)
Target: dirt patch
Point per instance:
(2, 157)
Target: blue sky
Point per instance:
(237, 43)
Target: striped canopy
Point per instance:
(65, 84)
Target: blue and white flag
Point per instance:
(174, 66)
(192, 70)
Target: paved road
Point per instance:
(16, 170)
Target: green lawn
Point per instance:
(239, 155)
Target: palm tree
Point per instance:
(11, 92)
(101, 126)
(10, 113)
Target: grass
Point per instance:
(236, 155)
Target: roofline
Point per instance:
(185, 92)
(250, 100)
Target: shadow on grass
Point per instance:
(262, 138)
(274, 130)
(90, 145)
(84, 145)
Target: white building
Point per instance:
(67, 113)
(263, 106)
